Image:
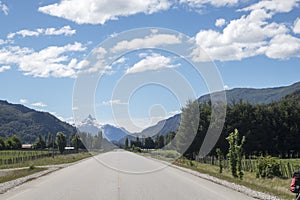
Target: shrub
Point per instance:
(268, 167)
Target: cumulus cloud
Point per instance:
(23, 101)
(151, 62)
(283, 46)
(66, 30)
(248, 36)
(99, 12)
(51, 61)
(4, 68)
(296, 28)
(220, 22)
(153, 40)
(277, 6)
(216, 3)
(4, 8)
(39, 104)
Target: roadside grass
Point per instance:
(166, 155)
(275, 186)
(15, 174)
(58, 159)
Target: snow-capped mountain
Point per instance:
(109, 132)
(89, 125)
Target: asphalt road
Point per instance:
(139, 179)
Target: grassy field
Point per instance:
(43, 161)
(15, 174)
(276, 186)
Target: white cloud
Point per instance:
(296, 28)
(226, 87)
(39, 104)
(99, 12)
(152, 62)
(119, 61)
(114, 102)
(4, 8)
(51, 61)
(23, 101)
(65, 30)
(2, 42)
(23, 33)
(283, 46)
(172, 113)
(153, 40)
(216, 3)
(57, 116)
(248, 36)
(220, 22)
(4, 68)
(277, 6)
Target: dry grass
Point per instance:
(15, 174)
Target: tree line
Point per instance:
(59, 141)
(156, 142)
(13, 142)
(271, 129)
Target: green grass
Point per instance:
(167, 155)
(58, 159)
(15, 174)
(276, 186)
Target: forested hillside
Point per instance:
(27, 123)
(270, 129)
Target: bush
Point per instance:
(32, 167)
(268, 167)
(136, 149)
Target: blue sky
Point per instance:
(44, 46)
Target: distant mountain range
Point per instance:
(27, 123)
(256, 96)
(16, 119)
(109, 132)
(253, 96)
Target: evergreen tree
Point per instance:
(61, 141)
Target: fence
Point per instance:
(287, 169)
(17, 156)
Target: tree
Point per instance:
(49, 143)
(235, 153)
(159, 142)
(188, 128)
(137, 142)
(76, 142)
(220, 159)
(2, 144)
(126, 143)
(16, 141)
(39, 143)
(149, 143)
(61, 141)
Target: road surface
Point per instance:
(91, 180)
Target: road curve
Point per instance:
(139, 179)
